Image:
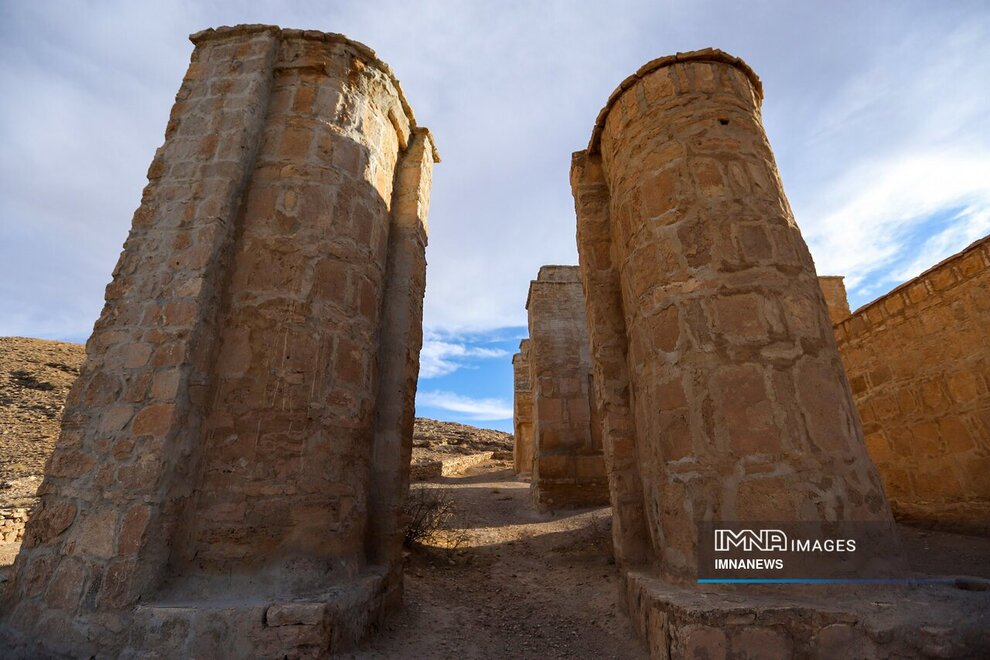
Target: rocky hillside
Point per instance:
(35, 377)
(446, 438)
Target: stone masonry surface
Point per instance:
(522, 410)
(721, 390)
(918, 361)
(568, 468)
(233, 456)
(740, 404)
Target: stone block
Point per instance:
(925, 388)
(753, 643)
(292, 614)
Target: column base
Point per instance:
(315, 625)
(308, 626)
(810, 621)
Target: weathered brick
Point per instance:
(929, 365)
(155, 419)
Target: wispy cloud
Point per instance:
(966, 227)
(486, 409)
(442, 358)
(871, 228)
(890, 171)
(876, 112)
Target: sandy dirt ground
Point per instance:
(508, 582)
(520, 584)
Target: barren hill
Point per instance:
(35, 377)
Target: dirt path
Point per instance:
(521, 584)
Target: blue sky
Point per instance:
(877, 113)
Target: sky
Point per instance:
(877, 113)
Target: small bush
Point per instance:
(427, 510)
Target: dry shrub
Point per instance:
(427, 510)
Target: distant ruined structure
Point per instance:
(918, 361)
(568, 468)
(235, 453)
(836, 300)
(722, 393)
(522, 410)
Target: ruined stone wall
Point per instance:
(568, 467)
(732, 385)
(834, 290)
(522, 410)
(257, 353)
(918, 361)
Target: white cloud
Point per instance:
(480, 410)
(876, 112)
(441, 358)
(890, 173)
(969, 225)
(879, 205)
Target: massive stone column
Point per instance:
(741, 410)
(522, 411)
(721, 395)
(568, 466)
(234, 455)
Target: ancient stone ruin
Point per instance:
(834, 290)
(522, 411)
(919, 367)
(723, 396)
(235, 452)
(568, 468)
(741, 407)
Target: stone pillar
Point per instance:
(522, 411)
(834, 290)
(568, 466)
(723, 395)
(246, 403)
(610, 368)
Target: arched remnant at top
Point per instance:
(709, 55)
